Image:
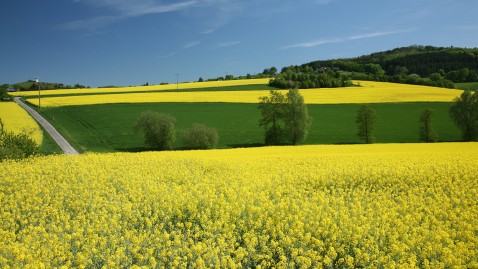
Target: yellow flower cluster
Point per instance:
(370, 92)
(185, 85)
(17, 120)
(369, 206)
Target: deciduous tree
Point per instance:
(297, 120)
(158, 129)
(426, 130)
(464, 112)
(273, 110)
(366, 119)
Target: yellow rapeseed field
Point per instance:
(369, 92)
(185, 85)
(17, 120)
(351, 206)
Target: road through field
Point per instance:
(59, 139)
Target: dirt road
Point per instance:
(59, 139)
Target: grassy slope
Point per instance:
(102, 128)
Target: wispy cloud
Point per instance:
(169, 55)
(191, 44)
(227, 44)
(218, 13)
(324, 41)
(124, 9)
(322, 2)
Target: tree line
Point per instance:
(306, 78)
(286, 120)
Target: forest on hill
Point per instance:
(421, 65)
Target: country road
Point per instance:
(59, 139)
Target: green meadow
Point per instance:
(110, 127)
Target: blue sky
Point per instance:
(131, 42)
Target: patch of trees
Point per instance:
(16, 145)
(160, 133)
(306, 77)
(285, 118)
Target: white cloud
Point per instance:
(124, 9)
(323, 2)
(191, 44)
(228, 44)
(215, 14)
(319, 42)
(169, 55)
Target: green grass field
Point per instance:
(467, 86)
(107, 128)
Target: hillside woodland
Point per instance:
(421, 65)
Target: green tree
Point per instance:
(464, 113)
(270, 71)
(273, 110)
(158, 129)
(426, 130)
(366, 119)
(200, 136)
(297, 119)
(3, 92)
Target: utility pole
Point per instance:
(37, 80)
(177, 81)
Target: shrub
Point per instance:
(200, 136)
(158, 129)
(17, 146)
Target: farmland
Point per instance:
(102, 119)
(369, 92)
(389, 205)
(152, 88)
(101, 128)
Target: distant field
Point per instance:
(152, 88)
(369, 92)
(109, 128)
(467, 86)
(61, 93)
